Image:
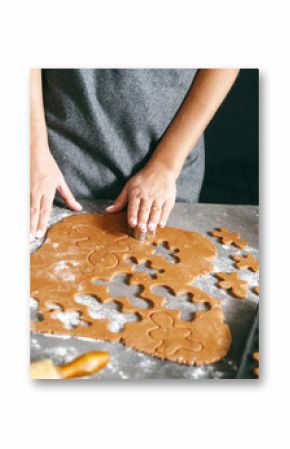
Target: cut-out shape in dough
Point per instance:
(171, 338)
(35, 315)
(232, 282)
(70, 318)
(248, 261)
(119, 287)
(174, 302)
(93, 251)
(228, 237)
(163, 249)
(110, 311)
(144, 267)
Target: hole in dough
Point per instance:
(180, 302)
(110, 311)
(119, 288)
(163, 249)
(145, 267)
(35, 315)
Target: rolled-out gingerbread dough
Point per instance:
(86, 248)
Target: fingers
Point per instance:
(44, 212)
(147, 214)
(41, 204)
(146, 210)
(133, 208)
(39, 214)
(68, 197)
(155, 215)
(34, 215)
(166, 209)
(120, 202)
(143, 214)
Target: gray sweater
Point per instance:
(104, 124)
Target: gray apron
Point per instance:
(104, 124)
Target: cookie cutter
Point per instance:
(141, 235)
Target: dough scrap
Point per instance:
(256, 357)
(256, 290)
(248, 261)
(85, 248)
(228, 237)
(232, 281)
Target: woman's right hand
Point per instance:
(45, 179)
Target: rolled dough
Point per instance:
(86, 248)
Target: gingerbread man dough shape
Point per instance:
(229, 238)
(249, 261)
(232, 281)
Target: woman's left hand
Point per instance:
(150, 195)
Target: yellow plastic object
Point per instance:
(85, 365)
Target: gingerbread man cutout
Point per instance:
(232, 281)
(249, 261)
(172, 337)
(229, 238)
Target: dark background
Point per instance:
(231, 146)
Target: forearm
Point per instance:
(206, 94)
(45, 175)
(38, 131)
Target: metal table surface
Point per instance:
(126, 363)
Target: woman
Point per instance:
(134, 136)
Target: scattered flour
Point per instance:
(109, 311)
(70, 319)
(62, 271)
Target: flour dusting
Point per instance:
(62, 271)
(109, 311)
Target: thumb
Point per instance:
(68, 197)
(120, 201)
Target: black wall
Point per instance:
(232, 139)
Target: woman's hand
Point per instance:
(151, 193)
(45, 179)
(150, 196)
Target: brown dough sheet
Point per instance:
(92, 247)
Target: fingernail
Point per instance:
(31, 237)
(152, 227)
(161, 224)
(143, 227)
(39, 234)
(133, 221)
(110, 207)
(79, 205)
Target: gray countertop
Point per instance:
(125, 362)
